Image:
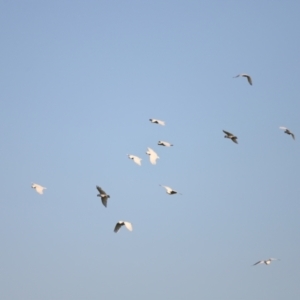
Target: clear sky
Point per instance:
(79, 82)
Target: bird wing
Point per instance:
(104, 200)
(283, 128)
(118, 226)
(259, 262)
(228, 133)
(39, 189)
(168, 189)
(128, 225)
(161, 122)
(293, 135)
(236, 76)
(137, 160)
(234, 139)
(153, 158)
(249, 79)
(100, 190)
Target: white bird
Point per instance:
(166, 144)
(39, 189)
(157, 122)
(267, 262)
(287, 131)
(136, 159)
(152, 155)
(169, 190)
(121, 223)
(245, 75)
(102, 195)
(230, 136)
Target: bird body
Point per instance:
(245, 75)
(287, 131)
(266, 262)
(155, 121)
(152, 156)
(102, 195)
(169, 190)
(166, 144)
(230, 136)
(136, 159)
(39, 189)
(128, 225)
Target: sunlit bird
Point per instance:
(39, 189)
(169, 190)
(102, 195)
(287, 131)
(166, 144)
(136, 159)
(230, 136)
(152, 156)
(245, 75)
(120, 224)
(155, 121)
(267, 262)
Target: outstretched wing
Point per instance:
(100, 190)
(118, 226)
(249, 79)
(234, 139)
(104, 200)
(128, 225)
(228, 133)
(259, 262)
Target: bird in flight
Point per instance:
(39, 189)
(157, 122)
(102, 195)
(230, 136)
(267, 262)
(169, 190)
(245, 75)
(287, 131)
(166, 144)
(152, 155)
(121, 223)
(136, 159)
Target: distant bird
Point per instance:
(267, 262)
(152, 155)
(166, 144)
(39, 189)
(287, 131)
(157, 122)
(120, 224)
(136, 159)
(245, 75)
(169, 190)
(103, 195)
(230, 136)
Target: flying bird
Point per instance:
(267, 262)
(287, 131)
(152, 155)
(103, 195)
(157, 122)
(230, 136)
(136, 159)
(245, 75)
(39, 189)
(120, 224)
(166, 144)
(169, 190)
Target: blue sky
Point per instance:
(79, 82)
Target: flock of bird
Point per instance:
(153, 159)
